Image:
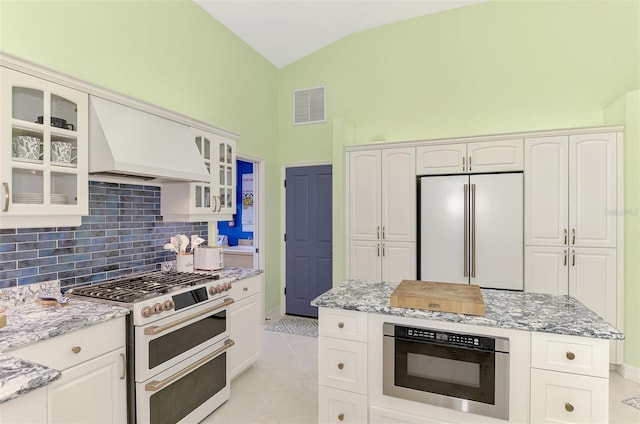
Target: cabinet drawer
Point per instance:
(245, 288)
(568, 398)
(579, 355)
(59, 352)
(379, 415)
(337, 406)
(342, 324)
(342, 364)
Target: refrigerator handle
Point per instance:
(466, 229)
(473, 227)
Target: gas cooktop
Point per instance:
(139, 287)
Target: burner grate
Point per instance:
(139, 287)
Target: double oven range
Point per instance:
(177, 343)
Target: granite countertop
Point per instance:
(503, 309)
(30, 322)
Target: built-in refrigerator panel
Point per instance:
(442, 235)
(499, 231)
(471, 230)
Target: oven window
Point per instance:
(443, 369)
(179, 399)
(447, 370)
(179, 341)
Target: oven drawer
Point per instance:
(579, 355)
(337, 406)
(73, 348)
(349, 325)
(568, 398)
(244, 288)
(342, 364)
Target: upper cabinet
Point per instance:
(571, 190)
(43, 153)
(472, 157)
(210, 200)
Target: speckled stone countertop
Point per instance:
(503, 309)
(29, 322)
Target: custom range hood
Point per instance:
(124, 141)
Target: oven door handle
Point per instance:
(154, 386)
(157, 329)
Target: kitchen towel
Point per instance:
(295, 325)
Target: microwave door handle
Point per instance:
(466, 230)
(154, 386)
(157, 329)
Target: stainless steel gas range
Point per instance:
(177, 342)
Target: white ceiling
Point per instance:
(287, 30)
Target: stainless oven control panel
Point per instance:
(430, 335)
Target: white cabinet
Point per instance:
(456, 158)
(204, 200)
(382, 213)
(571, 224)
(245, 323)
(569, 379)
(571, 190)
(43, 153)
(93, 365)
(342, 366)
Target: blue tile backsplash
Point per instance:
(123, 233)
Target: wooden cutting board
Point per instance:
(442, 297)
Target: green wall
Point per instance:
(495, 67)
(169, 53)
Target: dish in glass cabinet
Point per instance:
(38, 198)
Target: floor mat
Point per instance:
(295, 325)
(634, 401)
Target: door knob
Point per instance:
(340, 366)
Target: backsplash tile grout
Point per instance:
(123, 233)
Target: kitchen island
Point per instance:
(557, 368)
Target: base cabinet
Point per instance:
(245, 319)
(92, 388)
(379, 415)
(568, 398)
(338, 406)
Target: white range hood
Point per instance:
(124, 141)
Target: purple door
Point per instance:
(308, 237)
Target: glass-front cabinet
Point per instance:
(43, 152)
(225, 178)
(204, 200)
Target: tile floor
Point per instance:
(282, 387)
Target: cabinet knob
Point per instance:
(571, 356)
(76, 349)
(341, 324)
(341, 417)
(340, 366)
(245, 288)
(568, 407)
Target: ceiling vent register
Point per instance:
(309, 106)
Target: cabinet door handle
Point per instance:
(566, 236)
(219, 204)
(571, 356)
(469, 163)
(463, 165)
(341, 324)
(378, 232)
(76, 349)
(215, 203)
(6, 197)
(378, 249)
(568, 407)
(341, 417)
(565, 258)
(573, 258)
(340, 366)
(124, 366)
(466, 231)
(573, 236)
(383, 249)
(383, 232)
